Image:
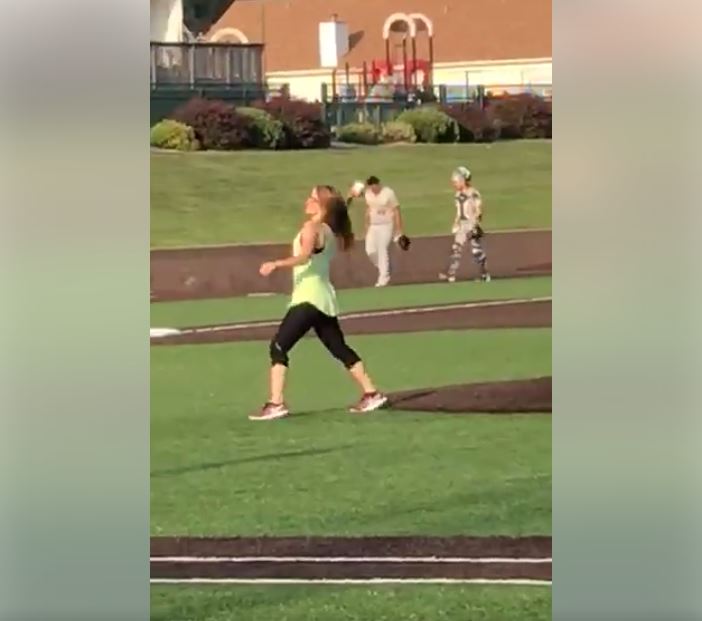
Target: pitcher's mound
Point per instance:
(520, 396)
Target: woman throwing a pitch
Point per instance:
(313, 304)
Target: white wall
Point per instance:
(303, 85)
(308, 84)
(167, 21)
(511, 73)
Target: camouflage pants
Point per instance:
(465, 234)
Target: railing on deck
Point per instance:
(343, 92)
(203, 64)
(349, 102)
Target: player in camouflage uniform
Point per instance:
(466, 226)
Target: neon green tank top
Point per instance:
(311, 283)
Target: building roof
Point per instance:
(464, 30)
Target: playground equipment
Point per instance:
(380, 79)
(401, 72)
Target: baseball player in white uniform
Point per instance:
(466, 226)
(383, 224)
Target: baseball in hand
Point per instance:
(357, 188)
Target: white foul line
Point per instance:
(371, 314)
(271, 581)
(156, 333)
(347, 559)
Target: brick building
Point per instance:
(491, 42)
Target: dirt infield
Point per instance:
(347, 558)
(471, 315)
(224, 271)
(511, 397)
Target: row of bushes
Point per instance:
(284, 123)
(514, 117)
(215, 125)
(521, 116)
(367, 133)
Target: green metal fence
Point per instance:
(165, 99)
(344, 104)
(223, 71)
(343, 113)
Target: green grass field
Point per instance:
(323, 471)
(326, 472)
(222, 198)
(223, 310)
(324, 603)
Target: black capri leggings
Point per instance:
(297, 322)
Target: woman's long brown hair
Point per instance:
(336, 214)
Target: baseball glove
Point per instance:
(404, 242)
(477, 232)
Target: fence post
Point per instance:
(443, 94)
(153, 64)
(191, 64)
(228, 65)
(481, 95)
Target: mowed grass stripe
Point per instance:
(326, 472)
(228, 310)
(354, 603)
(220, 198)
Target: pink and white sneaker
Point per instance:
(271, 411)
(369, 402)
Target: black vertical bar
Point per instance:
(414, 61)
(431, 60)
(365, 78)
(404, 62)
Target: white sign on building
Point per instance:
(333, 43)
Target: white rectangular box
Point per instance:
(333, 43)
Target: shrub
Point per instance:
(398, 131)
(269, 133)
(302, 122)
(426, 95)
(430, 124)
(217, 125)
(538, 119)
(169, 134)
(359, 133)
(522, 116)
(474, 123)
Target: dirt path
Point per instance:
(329, 559)
(526, 313)
(509, 397)
(225, 271)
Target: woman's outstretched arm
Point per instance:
(308, 237)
